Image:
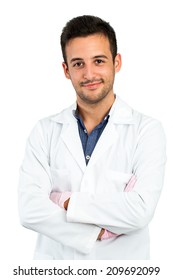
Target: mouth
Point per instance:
(91, 85)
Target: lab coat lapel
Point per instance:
(108, 138)
(120, 114)
(70, 136)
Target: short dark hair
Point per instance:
(86, 25)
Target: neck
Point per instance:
(93, 114)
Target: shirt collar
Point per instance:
(120, 113)
(79, 119)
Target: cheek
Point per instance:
(75, 77)
(106, 71)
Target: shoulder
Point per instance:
(46, 127)
(62, 117)
(140, 123)
(122, 112)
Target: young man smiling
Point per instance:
(91, 68)
(92, 174)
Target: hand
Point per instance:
(100, 234)
(61, 198)
(66, 203)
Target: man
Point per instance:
(92, 175)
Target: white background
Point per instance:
(33, 86)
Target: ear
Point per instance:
(66, 71)
(118, 63)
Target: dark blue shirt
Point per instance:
(89, 141)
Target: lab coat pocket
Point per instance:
(60, 180)
(118, 181)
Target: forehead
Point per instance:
(89, 46)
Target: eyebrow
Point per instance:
(75, 59)
(101, 56)
(97, 56)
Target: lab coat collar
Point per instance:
(120, 113)
(65, 116)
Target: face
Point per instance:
(91, 68)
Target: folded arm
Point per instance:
(63, 199)
(123, 212)
(37, 212)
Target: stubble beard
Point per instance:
(94, 98)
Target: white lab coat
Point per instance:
(131, 144)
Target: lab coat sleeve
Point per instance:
(124, 212)
(37, 212)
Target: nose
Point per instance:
(89, 73)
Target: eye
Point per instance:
(99, 61)
(79, 64)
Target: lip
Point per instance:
(92, 85)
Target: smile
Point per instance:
(92, 85)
